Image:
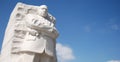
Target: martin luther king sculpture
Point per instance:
(30, 35)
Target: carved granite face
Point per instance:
(43, 10)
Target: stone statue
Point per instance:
(30, 35)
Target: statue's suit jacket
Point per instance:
(38, 44)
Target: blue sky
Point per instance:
(90, 29)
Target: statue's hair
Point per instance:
(43, 6)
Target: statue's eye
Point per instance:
(44, 9)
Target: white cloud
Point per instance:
(64, 53)
(114, 61)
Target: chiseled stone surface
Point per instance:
(30, 35)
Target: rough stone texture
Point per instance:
(30, 35)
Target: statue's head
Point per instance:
(43, 10)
